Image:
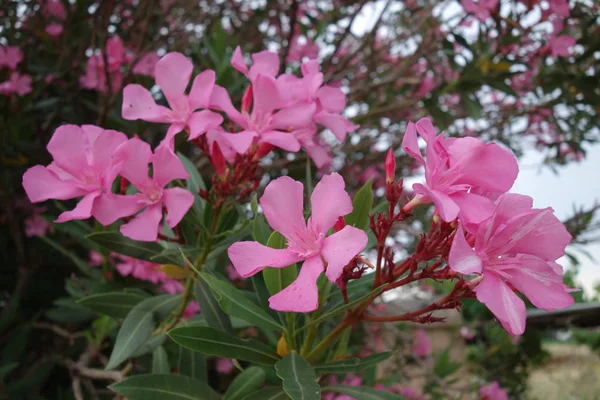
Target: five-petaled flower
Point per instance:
(282, 204)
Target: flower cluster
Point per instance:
(19, 84)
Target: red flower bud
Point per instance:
(390, 167)
(263, 150)
(218, 161)
(247, 100)
(339, 224)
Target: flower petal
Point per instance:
(138, 103)
(103, 149)
(410, 143)
(201, 121)
(41, 184)
(167, 167)
(294, 117)
(68, 146)
(238, 62)
(144, 227)
(283, 205)
(83, 209)
(220, 100)
(474, 209)
(303, 294)
(267, 97)
(332, 99)
(502, 302)
(241, 141)
(336, 123)
(329, 201)
(248, 258)
(463, 259)
(340, 248)
(173, 73)
(135, 156)
(177, 201)
(110, 207)
(264, 63)
(283, 140)
(201, 90)
(444, 205)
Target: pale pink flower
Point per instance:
(282, 203)
(299, 50)
(146, 64)
(152, 195)
(19, 84)
(481, 10)
(10, 56)
(422, 344)
(36, 225)
(95, 76)
(462, 175)
(492, 391)
(466, 333)
(224, 365)
(54, 29)
(561, 46)
(560, 7)
(173, 73)
(82, 166)
(96, 259)
(140, 269)
(518, 245)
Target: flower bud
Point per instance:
(390, 167)
(339, 224)
(247, 100)
(218, 161)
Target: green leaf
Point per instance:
(213, 314)
(473, 107)
(361, 207)
(268, 393)
(160, 361)
(351, 365)
(362, 392)
(444, 366)
(261, 229)
(278, 279)
(113, 304)
(503, 87)
(118, 243)
(138, 326)
(150, 344)
(245, 383)
(163, 387)
(195, 181)
(299, 378)
(192, 364)
(233, 302)
(212, 342)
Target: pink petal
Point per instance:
(267, 97)
(41, 184)
(104, 148)
(502, 302)
(444, 205)
(474, 209)
(248, 258)
(332, 99)
(340, 248)
(83, 209)
(294, 117)
(240, 142)
(110, 207)
(201, 121)
(167, 167)
(336, 123)
(135, 155)
(283, 205)
(169, 140)
(68, 147)
(310, 67)
(219, 100)
(329, 201)
(283, 140)
(425, 129)
(463, 258)
(201, 90)
(238, 62)
(508, 206)
(540, 283)
(317, 153)
(138, 103)
(303, 294)
(144, 227)
(410, 143)
(173, 73)
(177, 201)
(264, 63)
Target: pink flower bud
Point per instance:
(390, 167)
(247, 100)
(218, 161)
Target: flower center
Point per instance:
(259, 121)
(306, 242)
(152, 193)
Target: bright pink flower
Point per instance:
(462, 175)
(96, 259)
(492, 391)
(54, 29)
(518, 245)
(224, 365)
(152, 195)
(116, 55)
(82, 166)
(422, 344)
(146, 64)
(481, 10)
(282, 203)
(315, 149)
(140, 269)
(18, 84)
(191, 309)
(264, 63)
(561, 46)
(95, 76)
(10, 56)
(172, 74)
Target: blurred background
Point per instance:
(519, 72)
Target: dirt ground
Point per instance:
(573, 373)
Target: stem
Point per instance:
(327, 341)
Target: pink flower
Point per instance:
(54, 8)
(173, 73)
(82, 166)
(462, 175)
(560, 7)
(481, 10)
(10, 56)
(140, 269)
(422, 344)
(232, 274)
(191, 309)
(36, 225)
(95, 76)
(224, 365)
(18, 84)
(146, 64)
(518, 245)
(492, 391)
(282, 203)
(561, 46)
(54, 29)
(96, 259)
(466, 333)
(264, 63)
(152, 195)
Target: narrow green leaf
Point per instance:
(361, 207)
(192, 364)
(113, 304)
(261, 229)
(444, 366)
(245, 383)
(268, 393)
(278, 279)
(233, 302)
(148, 347)
(118, 243)
(212, 342)
(362, 392)
(160, 361)
(351, 365)
(210, 309)
(163, 387)
(299, 378)
(138, 326)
